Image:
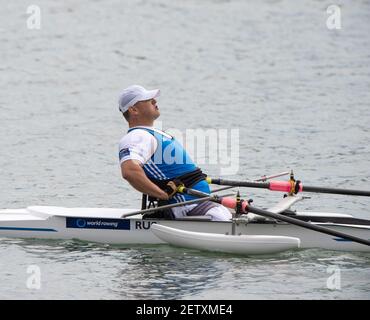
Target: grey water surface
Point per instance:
(296, 92)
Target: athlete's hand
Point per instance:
(164, 196)
(171, 188)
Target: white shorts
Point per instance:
(219, 213)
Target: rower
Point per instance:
(155, 163)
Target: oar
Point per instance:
(203, 198)
(286, 186)
(231, 203)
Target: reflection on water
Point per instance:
(164, 272)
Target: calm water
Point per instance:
(298, 93)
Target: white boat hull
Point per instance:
(236, 244)
(87, 224)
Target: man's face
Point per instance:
(147, 109)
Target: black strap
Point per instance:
(189, 179)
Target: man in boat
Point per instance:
(150, 168)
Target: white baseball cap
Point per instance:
(134, 94)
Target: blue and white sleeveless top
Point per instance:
(169, 161)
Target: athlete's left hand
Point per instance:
(171, 188)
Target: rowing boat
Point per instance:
(106, 225)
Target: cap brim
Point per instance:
(150, 94)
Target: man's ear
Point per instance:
(133, 110)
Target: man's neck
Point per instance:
(141, 124)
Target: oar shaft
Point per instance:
(351, 192)
(307, 225)
(194, 192)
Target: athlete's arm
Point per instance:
(133, 172)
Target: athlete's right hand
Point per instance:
(164, 196)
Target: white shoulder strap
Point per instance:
(158, 131)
